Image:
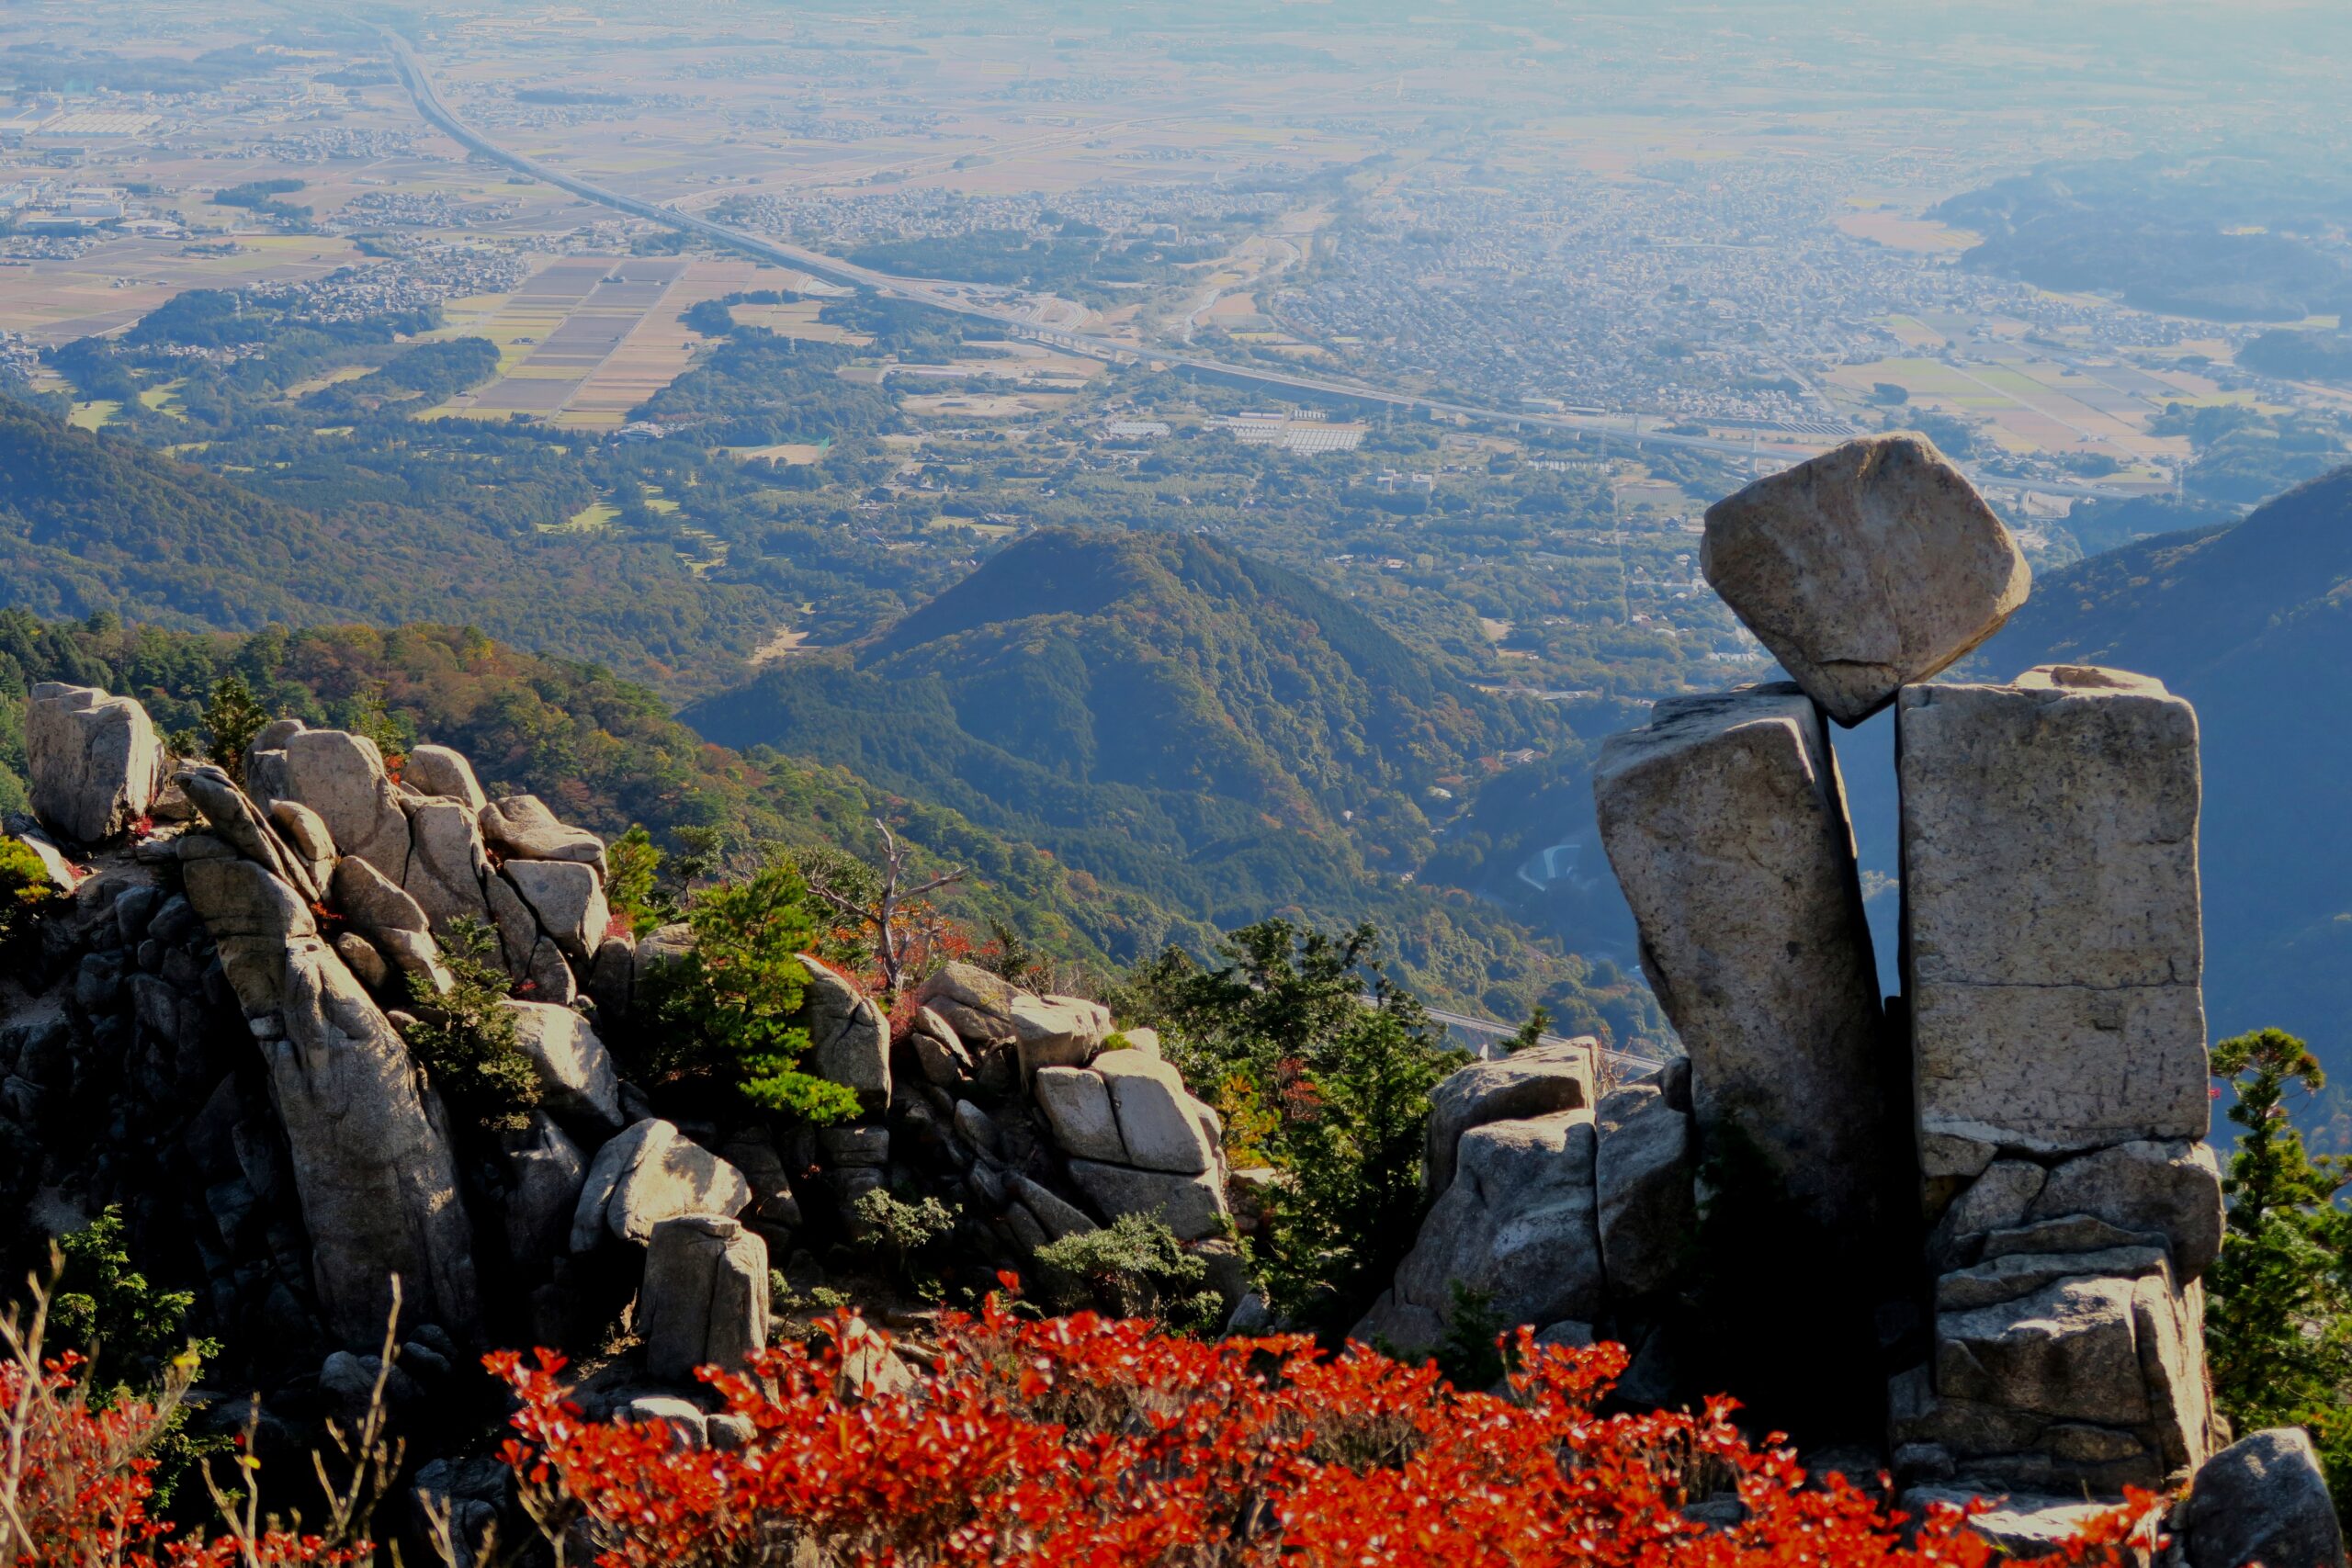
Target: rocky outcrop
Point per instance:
(575, 1072)
(95, 761)
(849, 1039)
(1867, 568)
(1726, 824)
(371, 1156)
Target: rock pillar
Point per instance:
(2053, 955)
(1725, 822)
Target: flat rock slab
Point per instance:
(1864, 569)
(2049, 904)
(1725, 822)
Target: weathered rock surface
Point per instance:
(340, 776)
(522, 827)
(705, 1299)
(544, 1170)
(1533, 1082)
(567, 899)
(946, 1062)
(1645, 1185)
(575, 1072)
(389, 917)
(849, 1038)
(94, 760)
(2050, 910)
(1076, 1103)
(1725, 822)
(1158, 1120)
(1057, 1031)
(1519, 1221)
(976, 1004)
(2264, 1499)
(438, 771)
(1864, 569)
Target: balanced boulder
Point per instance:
(1864, 569)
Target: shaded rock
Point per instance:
(2074, 1019)
(974, 1126)
(1645, 1176)
(2263, 1499)
(1059, 1217)
(2174, 1187)
(567, 899)
(94, 762)
(1725, 822)
(946, 1062)
(1997, 1200)
(849, 1037)
(522, 827)
(1156, 1116)
(2068, 1350)
(575, 1072)
(544, 1173)
(2072, 1232)
(1864, 569)
(1076, 1104)
(842, 1146)
(1192, 1206)
(366, 966)
(438, 771)
(1519, 1221)
(1533, 1082)
(2016, 1274)
(705, 1297)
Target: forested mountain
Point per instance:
(2252, 622)
(1171, 716)
(91, 522)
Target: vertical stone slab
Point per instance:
(1725, 821)
(2054, 949)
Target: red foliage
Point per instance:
(1081, 1441)
(75, 1485)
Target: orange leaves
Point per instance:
(1082, 1441)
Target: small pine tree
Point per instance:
(232, 719)
(2278, 1331)
(1532, 1032)
(465, 1040)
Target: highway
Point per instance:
(1617, 427)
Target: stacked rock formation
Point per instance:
(2052, 1186)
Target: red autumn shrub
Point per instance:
(1079, 1442)
(76, 1482)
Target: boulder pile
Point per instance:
(214, 1034)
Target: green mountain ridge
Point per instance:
(92, 522)
(1168, 715)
